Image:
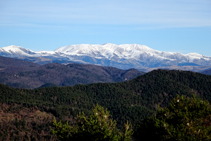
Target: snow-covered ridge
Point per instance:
(15, 49)
(18, 51)
(106, 50)
(120, 56)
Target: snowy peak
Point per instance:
(106, 50)
(16, 51)
(195, 55)
(13, 48)
(107, 46)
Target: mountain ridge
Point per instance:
(124, 56)
(25, 74)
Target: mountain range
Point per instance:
(125, 56)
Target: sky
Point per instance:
(166, 25)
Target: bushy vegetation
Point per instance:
(184, 119)
(18, 123)
(97, 127)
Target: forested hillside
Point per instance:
(130, 100)
(24, 74)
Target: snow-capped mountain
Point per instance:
(17, 51)
(123, 56)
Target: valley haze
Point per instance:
(124, 56)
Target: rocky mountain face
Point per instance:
(123, 56)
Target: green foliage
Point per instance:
(97, 127)
(185, 119)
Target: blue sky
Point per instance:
(166, 25)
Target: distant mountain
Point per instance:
(10, 62)
(24, 74)
(207, 71)
(123, 56)
(174, 67)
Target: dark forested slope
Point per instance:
(131, 99)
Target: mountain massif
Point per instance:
(125, 56)
(25, 74)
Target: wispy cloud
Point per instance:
(165, 13)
